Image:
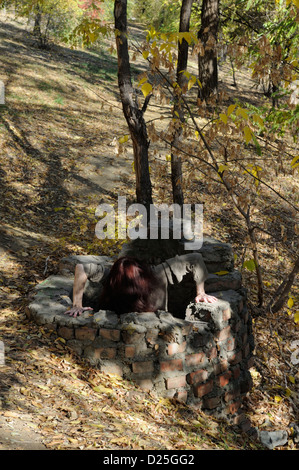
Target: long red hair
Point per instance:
(130, 287)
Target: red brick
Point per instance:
(224, 379)
(129, 351)
(236, 372)
(152, 335)
(85, 333)
(234, 407)
(174, 348)
(212, 353)
(211, 403)
(226, 314)
(220, 367)
(230, 344)
(104, 353)
(232, 395)
(204, 389)
(143, 367)
(195, 359)
(174, 364)
(235, 358)
(112, 335)
(197, 376)
(65, 332)
(224, 334)
(176, 382)
(181, 396)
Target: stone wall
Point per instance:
(202, 359)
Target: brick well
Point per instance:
(202, 359)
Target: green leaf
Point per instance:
(249, 264)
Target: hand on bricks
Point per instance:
(208, 299)
(77, 311)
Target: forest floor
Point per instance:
(58, 162)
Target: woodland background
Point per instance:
(194, 102)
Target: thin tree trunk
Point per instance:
(134, 115)
(208, 34)
(183, 48)
(284, 289)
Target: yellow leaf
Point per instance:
(296, 317)
(291, 379)
(277, 398)
(145, 54)
(258, 120)
(222, 168)
(290, 302)
(221, 273)
(223, 118)
(231, 109)
(293, 162)
(102, 389)
(247, 134)
(242, 112)
(143, 80)
(187, 36)
(146, 89)
(191, 82)
(123, 139)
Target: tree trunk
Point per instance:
(183, 48)
(134, 115)
(284, 289)
(37, 24)
(207, 64)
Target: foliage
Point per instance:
(55, 18)
(163, 15)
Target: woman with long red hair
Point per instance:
(132, 286)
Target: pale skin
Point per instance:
(81, 279)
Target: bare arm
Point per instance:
(78, 289)
(200, 273)
(201, 295)
(190, 263)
